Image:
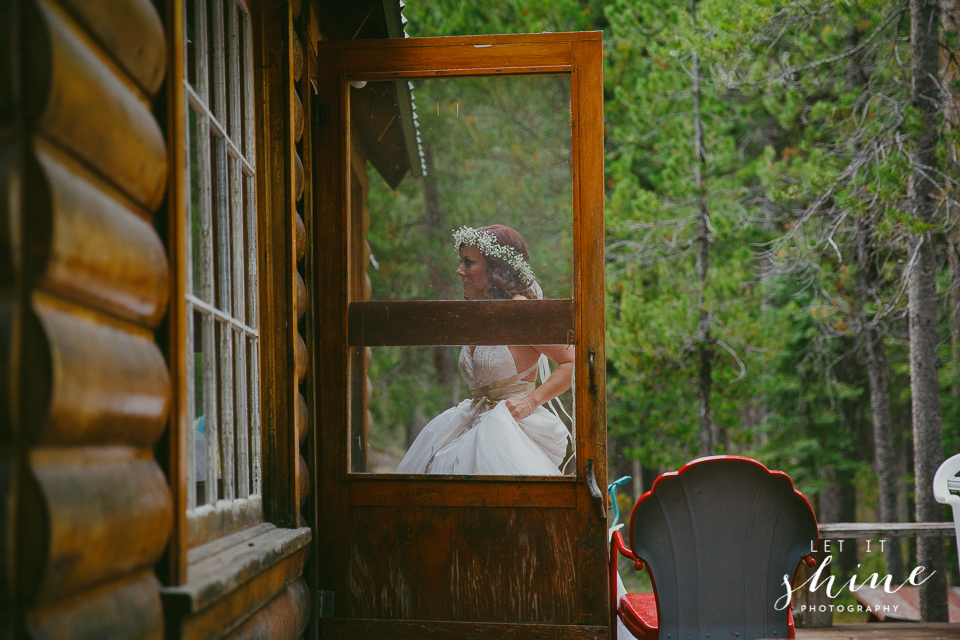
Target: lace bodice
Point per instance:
(487, 364)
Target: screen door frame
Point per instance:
(359, 514)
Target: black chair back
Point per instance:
(718, 537)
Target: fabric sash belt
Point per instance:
(486, 398)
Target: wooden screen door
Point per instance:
(416, 137)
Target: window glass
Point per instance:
(468, 196)
(487, 150)
(409, 389)
(224, 392)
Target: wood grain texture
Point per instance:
(297, 176)
(301, 298)
(329, 304)
(455, 322)
(90, 248)
(91, 515)
(129, 609)
(174, 452)
(534, 40)
(435, 562)
(362, 629)
(271, 65)
(470, 564)
(297, 57)
(301, 359)
(297, 118)
(302, 419)
(211, 521)
(233, 566)
(244, 603)
(886, 529)
(884, 631)
(410, 57)
(73, 97)
(306, 212)
(131, 32)
(460, 491)
(105, 385)
(303, 481)
(203, 552)
(590, 322)
(284, 618)
(300, 237)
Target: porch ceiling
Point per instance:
(383, 113)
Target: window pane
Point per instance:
(192, 43)
(492, 150)
(470, 196)
(237, 240)
(199, 232)
(206, 449)
(253, 364)
(216, 60)
(250, 221)
(246, 85)
(417, 402)
(232, 71)
(221, 218)
(241, 399)
(226, 410)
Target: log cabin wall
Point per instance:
(87, 509)
(94, 415)
(93, 418)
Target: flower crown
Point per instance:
(487, 244)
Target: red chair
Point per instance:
(718, 536)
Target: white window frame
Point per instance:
(219, 120)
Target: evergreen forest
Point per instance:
(782, 248)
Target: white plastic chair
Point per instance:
(945, 483)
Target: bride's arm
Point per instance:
(557, 383)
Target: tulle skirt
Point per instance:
(495, 444)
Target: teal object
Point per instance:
(612, 490)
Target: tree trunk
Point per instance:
(878, 375)
(705, 350)
(922, 289)
(953, 298)
(636, 475)
(884, 461)
(443, 369)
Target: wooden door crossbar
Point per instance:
(458, 322)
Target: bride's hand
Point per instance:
(520, 408)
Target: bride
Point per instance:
(504, 429)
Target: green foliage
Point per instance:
(808, 132)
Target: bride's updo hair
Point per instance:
(503, 281)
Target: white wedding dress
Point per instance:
(479, 436)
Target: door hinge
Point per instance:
(325, 604)
(319, 112)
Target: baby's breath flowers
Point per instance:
(487, 244)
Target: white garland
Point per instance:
(487, 244)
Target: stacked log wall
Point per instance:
(86, 506)
(86, 274)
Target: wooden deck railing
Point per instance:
(886, 529)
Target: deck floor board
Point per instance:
(883, 631)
